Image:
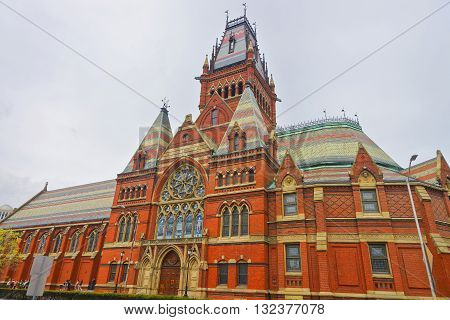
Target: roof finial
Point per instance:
(226, 12)
(271, 82)
(357, 119)
(254, 26)
(325, 112)
(165, 102)
(245, 8)
(343, 111)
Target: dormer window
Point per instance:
(186, 137)
(236, 142)
(214, 117)
(231, 44)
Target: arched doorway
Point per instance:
(169, 280)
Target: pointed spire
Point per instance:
(271, 82)
(154, 143)
(205, 65)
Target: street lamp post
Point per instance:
(422, 246)
(189, 253)
(118, 274)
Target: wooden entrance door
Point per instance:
(169, 280)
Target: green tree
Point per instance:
(9, 249)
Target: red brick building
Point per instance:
(231, 206)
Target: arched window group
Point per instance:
(229, 91)
(181, 219)
(92, 241)
(139, 161)
(235, 221)
(127, 228)
(134, 192)
(57, 243)
(236, 177)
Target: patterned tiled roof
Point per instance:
(243, 33)
(155, 141)
(250, 120)
(329, 143)
(89, 202)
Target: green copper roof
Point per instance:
(328, 142)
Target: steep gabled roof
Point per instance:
(250, 120)
(155, 141)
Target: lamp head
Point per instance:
(413, 158)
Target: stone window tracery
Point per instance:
(235, 221)
(181, 205)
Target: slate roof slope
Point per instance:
(425, 171)
(84, 203)
(155, 141)
(250, 120)
(331, 142)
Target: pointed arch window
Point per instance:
(188, 225)
(233, 89)
(235, 178)
(214, 117)
(122, 194)
(227, 179)
(128, 226)
(92, 241)
(179, 227)
(235, 222)
(42, 241)
(244, 221)
(121, 230)
(198, 225)
(240, 87)
(226, 222)
(112, 272)
(251, 175)
(236, 142)
(220, 180)
(243, 176)
(74, 242)
(57, 243)
(225, 92)
(219, 91)
(124, 276)
(143, 191)
(161, 223)
(169, 227)
(26, 247)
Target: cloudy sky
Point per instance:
(66, 122)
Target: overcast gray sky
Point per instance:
(65, 122)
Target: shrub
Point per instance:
(20, 294)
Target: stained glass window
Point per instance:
(169, 227)
(188, 225)
(177, 219)
(198, 225)
(179, 227)
(161, 222)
